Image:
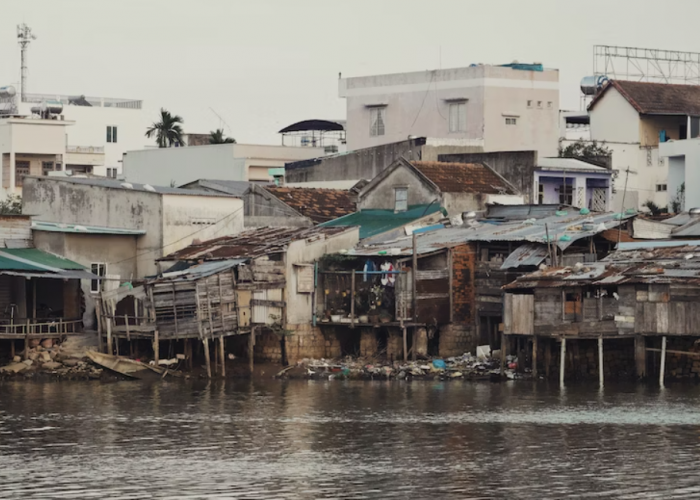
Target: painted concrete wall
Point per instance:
(383, 197)
(189, 217)
(583, 185)
(613, 119)
(117, 251)
(299, 305)
(490, 93)
(177, 166)
(684, 166)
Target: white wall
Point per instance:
(189, 217)
(613, 119)
(684, 166)
(418, 104)
(163, 166)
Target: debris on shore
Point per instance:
(47, 360)
(464, 367)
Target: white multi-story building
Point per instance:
(511, 107)
(632, 119)
(103, 127)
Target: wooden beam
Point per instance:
(414, 256)
(534, 356)
(450, 282)
(663, 361)
(503, 353)
(352, 299)
(222, 352)
(251, 350)
(205, 343)
(108, 323)
(562, 362)
(405, 345)
(156, 347)
(600, 362)
(640, 356)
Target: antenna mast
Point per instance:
(24, 36)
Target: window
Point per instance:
(377, 118)
(111, 133)
(458, 117)
(549, 104)
(21, 169)
(112, 173)
(46, 167)
(401, 199)
(539, 104)
(99, 269)
(511, 121)
(540, 194)
(529, 104)
(661, 188)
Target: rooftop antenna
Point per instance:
(24, 36)
(221, 121)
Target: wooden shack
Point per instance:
(638, 299)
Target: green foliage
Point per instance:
(168, 131)
(217, 137)
(11, 206)
(586, 150)
(653, 208)
(277, 327)
(679, 200)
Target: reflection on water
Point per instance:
(311, 439)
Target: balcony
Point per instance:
(84, 155)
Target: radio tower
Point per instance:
(24, 36)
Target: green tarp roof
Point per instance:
(32, 259)
(373, 222)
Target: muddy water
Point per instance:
(349, 440)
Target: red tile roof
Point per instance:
(656, 98)
(320, 205)
(463, 177)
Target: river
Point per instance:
(347, 440)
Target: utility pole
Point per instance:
(24, 36)
(622, 208)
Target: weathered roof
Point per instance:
(529, 254)
(571, 165)
(373, 221)
(233, 188)
(650, 98)
(323, 125)
(58, 227)
(523, 212)
(198, 271)
(564, 230)
(251, 244)
(318, 204)
(124, 185)
(463, 177)
(31, 262)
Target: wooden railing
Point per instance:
(21, 327)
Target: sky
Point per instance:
(264, 64)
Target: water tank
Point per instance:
(8, 91)
(48, 108)
(694, 212)
(590, 85)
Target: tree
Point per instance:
(168, 130)
(217, 137)
(11, 206)
(586, 150)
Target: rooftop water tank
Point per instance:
(7, 91)
(590, 85)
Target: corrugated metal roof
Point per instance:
(640, 245)
(374, 222)
(202, 270)
(690, 229)
(529, 254)
(522, 212)
(58, 227)
(571, 164)
(124, 185)
(251, 244)
(678, 220)
(32, 259)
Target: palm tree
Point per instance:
(217, 137)
(168, 131)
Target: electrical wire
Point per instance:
(432, 75)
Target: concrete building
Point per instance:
(234, 162)
(572, 181)
(119, 229)
(510, 107)
(633, 118)
(103, 127)
(683, 182)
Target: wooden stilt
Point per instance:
(108, 322)
(12, 349)
(188, 354)
(405, 345)
(503, 353)
(414, 354)
(116, 346)
(216, 357)
(251, 349)
(600, 361)
(534, 356)
(222, 353)
(663, 361)
(562, 362)
(156, 347)
(640, 356)
(548, 357)
(205, 345)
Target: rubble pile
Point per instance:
(464, 367)
(47, 359)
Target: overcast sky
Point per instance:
(263, 64)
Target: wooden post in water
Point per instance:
(414, 353)
(156, 347)
(663, 361)
(251, 349)
(562, 361)
(205, 343)
(216, 356)
(405, 345)
(12, 349)
(600, 361)
(548, 357)
(503, 353)
(534, 356)
(108, 322)
(640, 356)
(223, 356)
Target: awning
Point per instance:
(62, 275)
(34, 263)
(529, 254)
